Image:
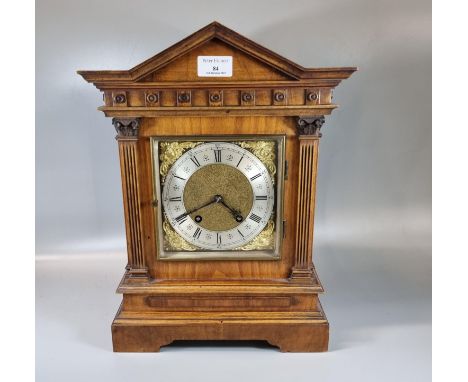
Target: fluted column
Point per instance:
(308, 129)
(127, 137)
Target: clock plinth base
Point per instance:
(289, 331)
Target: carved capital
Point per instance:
(310, 125)
(126, 127)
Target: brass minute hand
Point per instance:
(216, 199)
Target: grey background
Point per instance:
(373, 222)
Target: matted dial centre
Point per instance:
(225, 181)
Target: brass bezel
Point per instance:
(219, 255)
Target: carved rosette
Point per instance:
(310, 125)
(126, 127)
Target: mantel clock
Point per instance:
(218, 142)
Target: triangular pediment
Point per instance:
(245, 67)
(251, 62)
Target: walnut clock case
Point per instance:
(218, 142)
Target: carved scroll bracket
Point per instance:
(126, 127)
(310, 126)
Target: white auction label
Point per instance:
(214, 66)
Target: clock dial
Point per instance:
(218, 196)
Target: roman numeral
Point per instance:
(197, 233)
(218, 238)
(175, 199)
(217, 154)
(180, 219)
(255, 218)
(195, 160)
(255, 177)
(178, 177)
(240, 160)
(261, 197)
(240, 233)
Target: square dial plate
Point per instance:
(218, 198)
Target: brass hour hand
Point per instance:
(237, 215)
